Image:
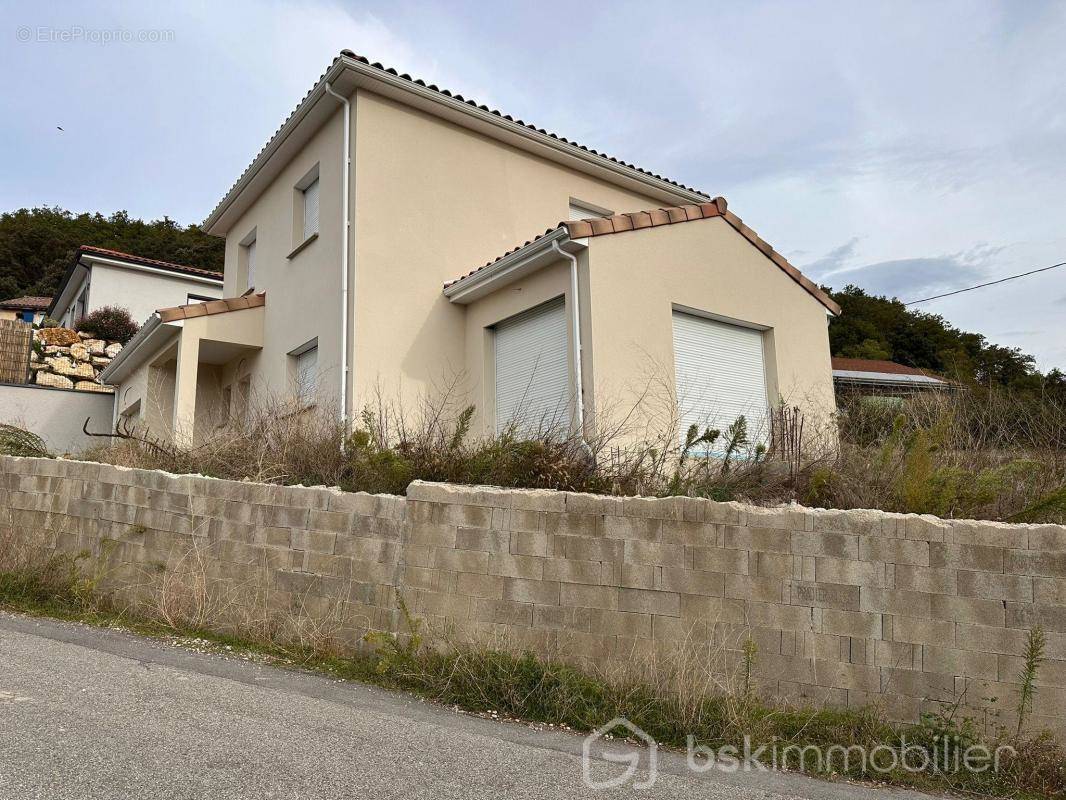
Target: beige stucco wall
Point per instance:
(303, 292)
(142, 293)
(433, 201)
(636, 279)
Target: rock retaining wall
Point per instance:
(65, 359)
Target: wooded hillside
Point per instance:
(37, 245)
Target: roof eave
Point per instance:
(136, 349)
(460, 111)
(511, 267)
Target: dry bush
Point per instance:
(966, 454)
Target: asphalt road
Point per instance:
(88, 713)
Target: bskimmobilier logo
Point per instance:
(631, 759)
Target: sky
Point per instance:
(908, 148)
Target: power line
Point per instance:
(983, 285)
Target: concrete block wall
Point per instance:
(846, 607)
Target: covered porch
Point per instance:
(173, 376)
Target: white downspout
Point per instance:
(344, 253)
(575, 322)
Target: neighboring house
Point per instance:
(345, 242)
(873, 376)
(26, 309)
(98, 277)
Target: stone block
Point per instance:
(42, 378)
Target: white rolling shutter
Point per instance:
(250, 261)
(532, 370)
(721, 375)
(311, 208)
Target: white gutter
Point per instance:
(345, 182)
(575, 321)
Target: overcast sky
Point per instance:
(909, 148)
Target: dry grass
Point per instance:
(974, 454)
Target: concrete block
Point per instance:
(512, 566)
(895, 601)
(462, 560)
(636, 551)
(995, 585)
(632, 528)
(897, 655)
(815, 543)
(1047, 537)
(520, 590)
(967, 610)
(950, 661)
(431, 534)
(480, 585)
(858, 521)
(589, 549)
(765, 590)
(989, 534)
(1035, 562)
(925, 579)
(687, 581)
(528, 543)
(646, 601)
(489, 541)
(1030, 615)
(825, 595)
(922, 631)
(570, 524)
(690, 532)
(894, 551)
(772, 565)
(770, 540)
(621, 623)
(718, 559)
(860, 624)
(601, 597)
(841, 675)
(1050, 591)
(973, 557)
(914, 683)
(563, 618)
(566, 570)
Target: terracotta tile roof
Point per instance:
(878, 365)
(28, 303)
(639, 220)
(207, 309)
(445, 93)
(151, 262)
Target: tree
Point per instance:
(37, 245)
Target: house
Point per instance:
(878, 377)
(26, 309)
(98, 277)
(371, 247)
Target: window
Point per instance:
(305, 211)
(311, 209)
(721, 375)
(533, 370)
(246, 260)
(305, 370)
(582, 210)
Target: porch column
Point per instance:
(185, 389)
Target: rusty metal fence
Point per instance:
(16, 343)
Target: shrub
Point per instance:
(112, 323)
